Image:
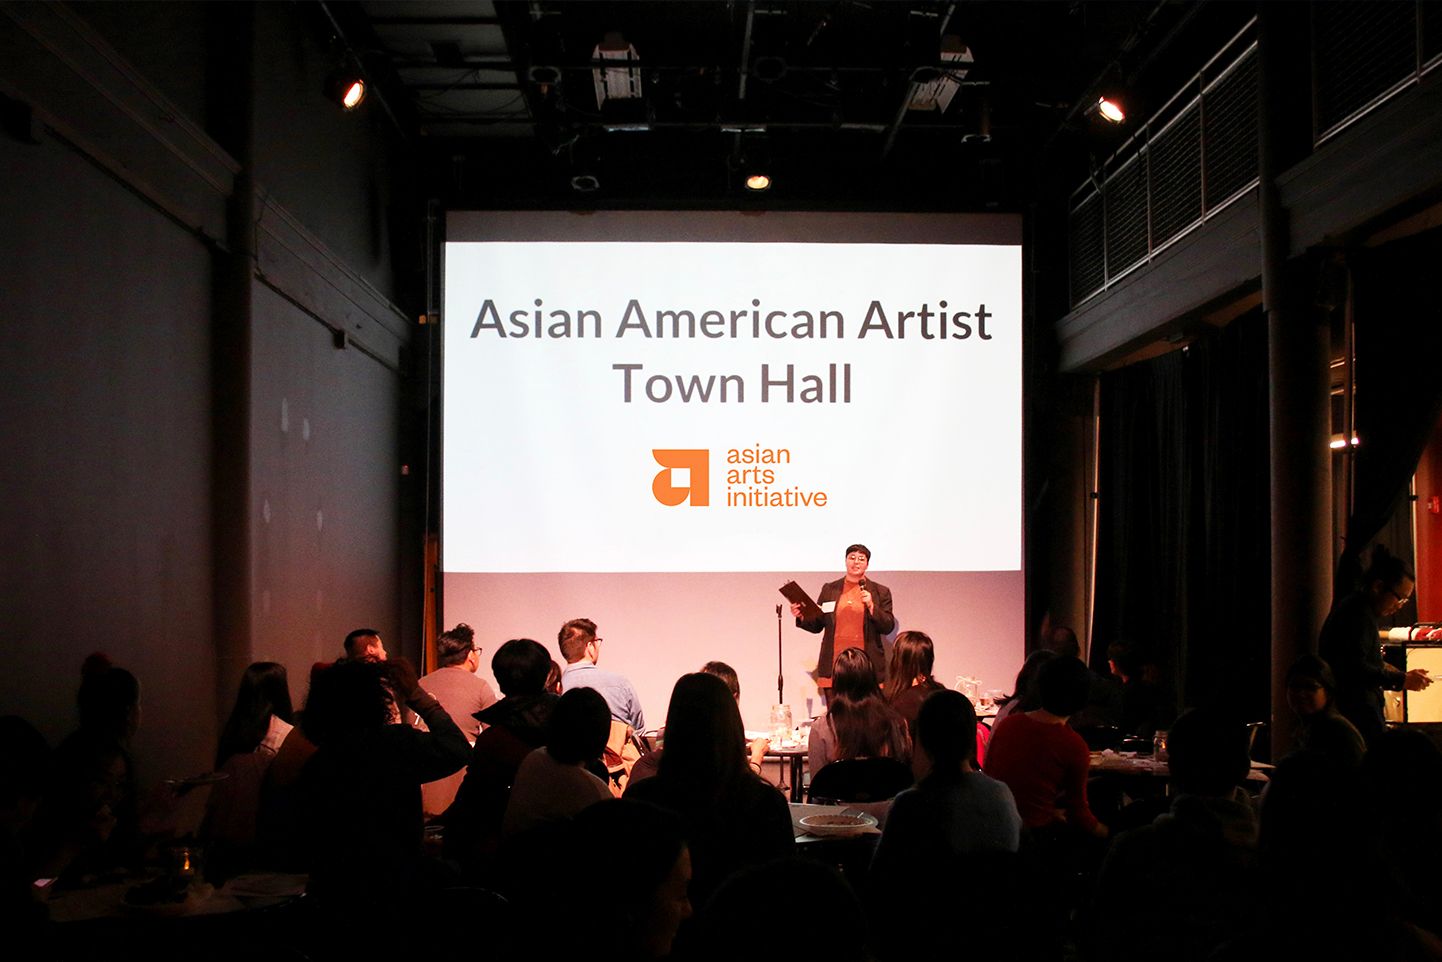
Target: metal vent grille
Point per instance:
(1175, 161)
(1231, 135)
(1362, 50)
(1087, 254)
(1126, 200)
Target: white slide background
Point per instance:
(548, 510)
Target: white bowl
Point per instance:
(839, 825)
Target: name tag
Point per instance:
(827, 607)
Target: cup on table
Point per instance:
(781, 728)
(1159, 746)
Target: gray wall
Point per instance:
(104, 381)
(116, 520)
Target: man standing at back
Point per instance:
(582, 649)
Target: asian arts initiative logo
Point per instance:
(755, 477)
(697, 465)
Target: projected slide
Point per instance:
(656, 421)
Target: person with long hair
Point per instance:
(1043, 761)
(859, 723)
(1025, 694)
(1349, 645)
(259, 724)
(908, 674)
(262, 715)
(733, 817)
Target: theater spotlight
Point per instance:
(1109, 109)
(346, 87)
(758, 181)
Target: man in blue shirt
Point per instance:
(581, 649)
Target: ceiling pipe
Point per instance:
(746, 50)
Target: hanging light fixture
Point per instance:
(346, 87)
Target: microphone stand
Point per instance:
(780, 680)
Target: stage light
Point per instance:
(346, 87)
(1109, 109)
(758, 182)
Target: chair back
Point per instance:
(852, 780)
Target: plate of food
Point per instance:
(838, 824)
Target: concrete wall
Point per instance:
(130, 504)
(105, 388)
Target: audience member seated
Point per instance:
(1141, 701)
(259, 723)
(1180, 887)
(1026, 693)
(364, 644)
(823, 918)
(24, 764)
(361, 790)
(1404, 767)
(908, 675)
(1103, 710)
(582, 649)
(858, 722)
(91, 820)
(552, 783)
(909, 682)
(732, 817)
(956, 826)
(1311, 692)
(1042, 761)
(632, 862)
(1330, 891)
(647, 765)
(954, 808)
(462, 694)
(515, 726)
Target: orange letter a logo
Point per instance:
(697, 462)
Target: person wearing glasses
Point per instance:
(1350, 643)
(855, 613)
(455, 683)
(462, 693)
(581, 648)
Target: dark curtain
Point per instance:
(1397, 309)
(1182, 550)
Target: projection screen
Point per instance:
(655, 419)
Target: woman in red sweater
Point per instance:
(1043, 761)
